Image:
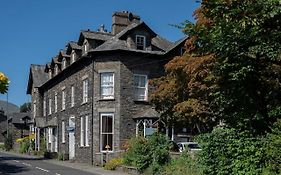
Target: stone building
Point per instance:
(93, 95)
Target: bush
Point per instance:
(181, 166)
(152, 152)
(63, 156)
(113, 164)
(24, 146)
(2, 147)
(43, 148)
(227, 151)
(273, 150)
(8, 142)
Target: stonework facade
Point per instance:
(86, 99)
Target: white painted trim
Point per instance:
(113, 124)
(144, 41)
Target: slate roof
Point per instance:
(92, 35)
(116, 42)
(17, 118)
(39, 75)
(161, 43)
(62, 54)
(149, 113)
(177, 43)
(72, 45)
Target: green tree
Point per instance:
(241, 85)
(25, 107)
(4, 82)
(245, 38)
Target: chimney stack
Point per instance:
(120, 20)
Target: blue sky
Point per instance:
(32, 31)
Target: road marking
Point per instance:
(58, 174)
(42, 169)
(16, 161)
(27, 164)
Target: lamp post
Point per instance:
(7, 104)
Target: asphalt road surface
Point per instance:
(11, 164)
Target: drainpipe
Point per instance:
(92, 123)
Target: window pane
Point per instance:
(107, 85)
(142, 81)
(107, 139)
(107, 122)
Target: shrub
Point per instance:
(24, 146)
(2, 147)
(43, 148)
(152, 152)
(273, 150)
(8, 142)
(184, 165)
(227, 151)
(63, 156)
(113, 164)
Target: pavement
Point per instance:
(78, 166)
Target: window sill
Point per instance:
(84, 146)
(107, 151)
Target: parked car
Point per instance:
(189, 146)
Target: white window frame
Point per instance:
(107, 96)
(73, 56)
(50, 73)
(138, 44)
(44, 107)
(86, 47)
(34, 109)
(50, 134)
(85, 90)
(63, 63)
(63, 99)
(82, 131)
(56, 102)
(136, 96)
(63, 131)
(87, 130)
(101, 133)
(50, 106)
(72, 96)
(56, 69)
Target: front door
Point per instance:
(71, 137)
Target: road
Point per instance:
(11, 164)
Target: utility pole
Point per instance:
(7, 104)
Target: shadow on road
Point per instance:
(20, 158)
(8, 168)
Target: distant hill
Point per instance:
(12, 108)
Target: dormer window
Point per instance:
(86, 47)
(63, 63)
(50, 73)
(73, 56)
(56, 69)
(140, 42)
